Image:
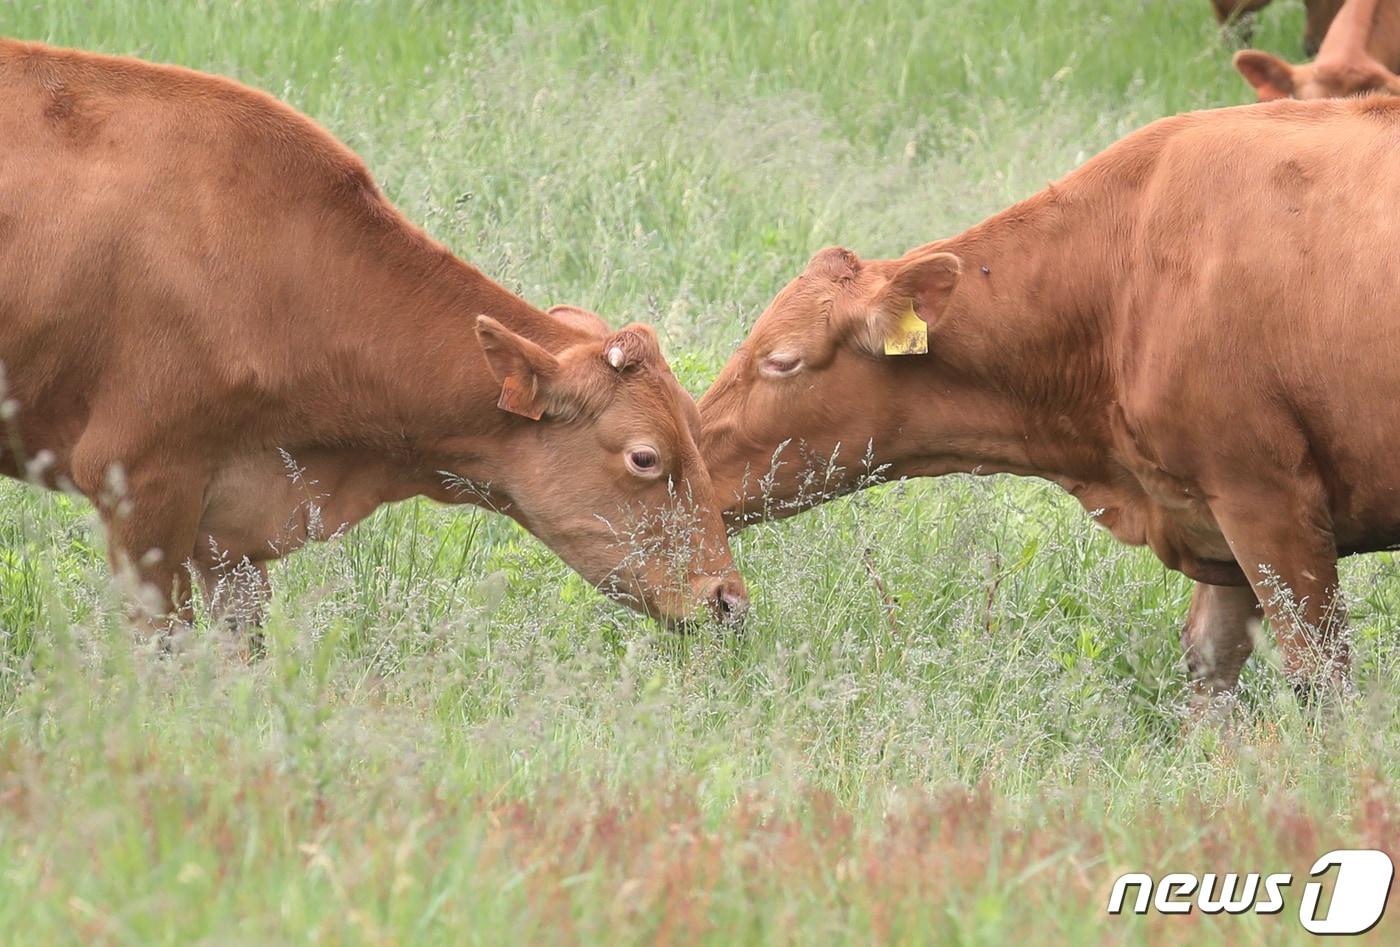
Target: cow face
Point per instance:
(814, 389)
(1272, 78)
(607, 472)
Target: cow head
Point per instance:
(1344, 65)
(602, 465)
(793, 413)
(1272, 78)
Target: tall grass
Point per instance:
(453, 739)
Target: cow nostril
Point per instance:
(726, 600)
(731, 603)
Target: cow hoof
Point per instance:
(1324, 693)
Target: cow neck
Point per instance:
(1383, 43)
(1016, 380)
(1351, 31)
(408, 381)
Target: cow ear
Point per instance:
(524, 370)
(910, 302)
(1271, 77)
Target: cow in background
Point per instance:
(1360, 54)
(1237, 16)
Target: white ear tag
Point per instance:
(616, 356)
(908, 336)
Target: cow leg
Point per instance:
(1291, 562)
(1321, 13)
(152, 516)
(236, 594)
(1217, 639)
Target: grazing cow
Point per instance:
(1195, 334)
(1320, 14)
(1360, 54)
(215, 326)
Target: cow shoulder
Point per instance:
(197, 122)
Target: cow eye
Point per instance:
(643, 461)
(780, 364)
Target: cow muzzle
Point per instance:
(726, 599)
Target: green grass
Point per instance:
(453, 739)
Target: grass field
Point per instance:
(454, 740)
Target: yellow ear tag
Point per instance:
(909, 335)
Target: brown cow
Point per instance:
(1361, 53)
(215, 326)
(1194, 334)
(1237, 13)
